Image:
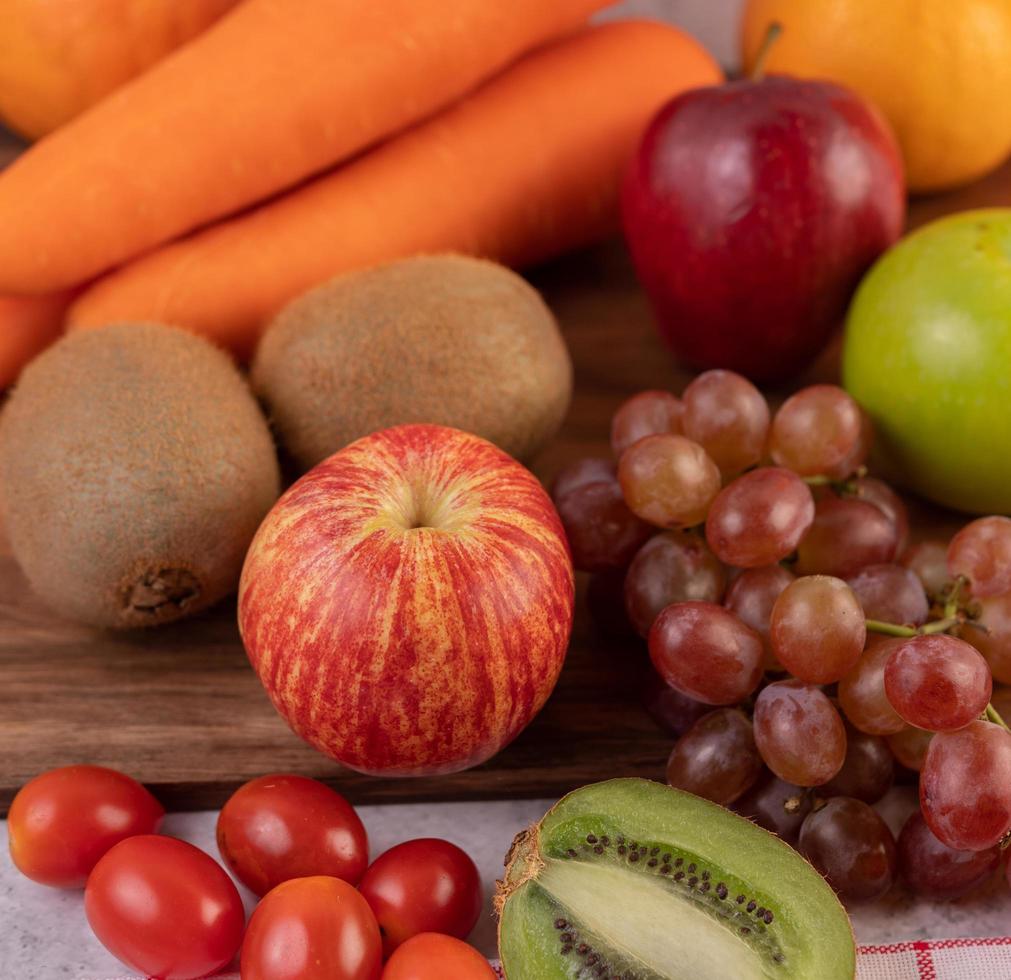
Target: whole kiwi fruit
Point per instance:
(135, 467)
(628, 878)
(446, 339)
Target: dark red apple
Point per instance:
(751, 210)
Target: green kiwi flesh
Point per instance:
(135, 467)
(634, 880)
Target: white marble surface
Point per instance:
(44, 935)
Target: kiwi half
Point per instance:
(631, 879)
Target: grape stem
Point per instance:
(894, 629)
(992, 714)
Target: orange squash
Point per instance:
(57, 57)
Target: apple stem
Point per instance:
(773, 32)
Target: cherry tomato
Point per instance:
(280, 827)
(424, 885)
(63, 821)
(316, 928)
(432, 956)
(165, 908)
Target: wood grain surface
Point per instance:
(181, 709)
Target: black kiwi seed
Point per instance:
(752, 905)
(768, 917)
(691, 868)
(654, 851)
(566, 950)
(666, 859)
(598, 849)
(582, 949)
(622, 850)
(566, 937)
(634, 856)
(651, 863)
(591, 839)
(692, 881)
(571, 853)
(761, 912)
(560, 923)
(665, 870)
(745, 931)
(605, 841)
(721, 891)
(740, 899)
(705, 875)
(679, 876)
(679, 862)
(704, 886)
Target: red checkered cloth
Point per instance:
(936, 959)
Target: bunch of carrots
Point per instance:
(289, 143)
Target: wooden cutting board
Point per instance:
(181, 710)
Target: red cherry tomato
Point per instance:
(432, 956)
(312, 929)
(165, 908)
(63, 821)
(280, 827)
(424, 885)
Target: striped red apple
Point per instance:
(407, 604)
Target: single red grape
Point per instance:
(759, 518)
(992, 635)
(934, 870)
(981, 552)
(929, 560)
(937, 682)
(728, 417)
(777, 806)
(869, 769)
(849, 843)
(965, 786)
(602, 532)
(706, 652)
(874, 491)
(862, 691)
(909, 746)
(819, 431)
(673, 711)
(751, 597)
(891, 593)
(649, 413)
(817, 629)
(846, 535)
(799, 733)
(716, 758)
(589, 469)
(668, 480)
(676, 566)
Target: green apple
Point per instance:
(928, 355)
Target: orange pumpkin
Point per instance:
(57, 57)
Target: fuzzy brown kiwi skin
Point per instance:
(135, 467)
(443, 338)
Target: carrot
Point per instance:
(28, 325)
(273, 92)
(524, 169)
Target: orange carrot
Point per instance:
(275, 91)
(525, 168)
(28, 325)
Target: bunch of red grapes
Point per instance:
(804, 649)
